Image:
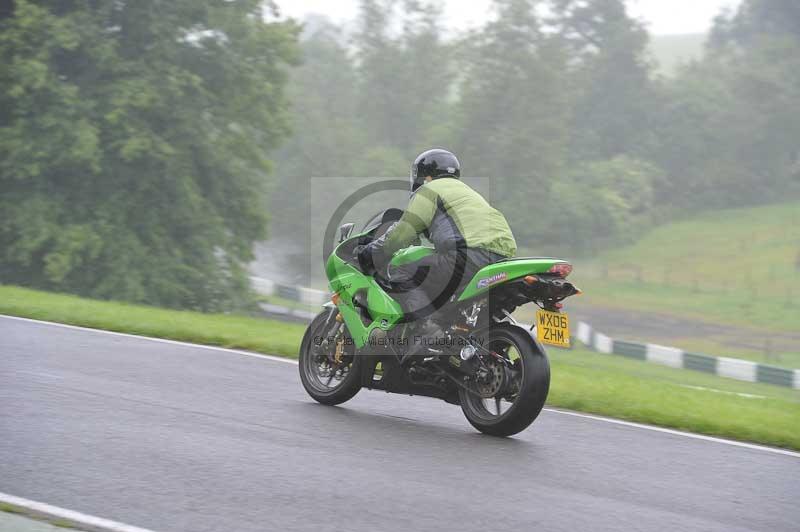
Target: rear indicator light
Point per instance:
(530, 279)
(562, 269)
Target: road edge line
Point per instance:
(89, 523)
(285, 360)
(665, 430)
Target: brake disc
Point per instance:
(491, 380)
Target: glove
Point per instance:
(363, 256)
(366, 254)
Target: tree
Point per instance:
(602, 203)
(132, 146)
(728, 123)
(611, 93)
(753, 20)
(328, 138)
(513, 114)
(405, 79)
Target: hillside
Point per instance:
(725, 282)
(752, 252)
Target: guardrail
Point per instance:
(732, 368)
(300, 294)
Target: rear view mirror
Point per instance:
(344, 231)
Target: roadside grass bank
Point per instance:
(734, 266)
(581, 380)
(767, 312)
(695, 402)
(223, 330)
(690, 331)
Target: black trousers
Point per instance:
(423, 287)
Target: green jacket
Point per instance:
(452, 215)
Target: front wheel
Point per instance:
(329, 368)
(515, 384)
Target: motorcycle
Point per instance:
(493, 367)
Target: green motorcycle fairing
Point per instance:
(411, 254)
(348, 283)
(506, 270)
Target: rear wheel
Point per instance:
(513, 387)
(329, 369)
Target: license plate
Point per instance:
(552, 328)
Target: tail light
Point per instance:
(562, 269)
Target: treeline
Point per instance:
(139, 139)
(558, 102)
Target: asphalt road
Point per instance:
(179, 438)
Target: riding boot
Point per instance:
(424, 339)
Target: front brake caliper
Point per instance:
(337, 356)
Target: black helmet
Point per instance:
(435, 163)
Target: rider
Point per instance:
(466, 231)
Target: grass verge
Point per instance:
(224, 330)
(768, 313)
(686, 400)
(582, 380)
(735, 266)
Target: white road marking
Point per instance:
(39, 374)
(160, 340)
(643, 426)
(88, 522)
(677, 432)
(740, 394)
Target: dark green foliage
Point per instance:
(602, 203)
(404, 78)
(513, 113)
(611, 88)
(325, 133)
(728, 124)
(132, 146)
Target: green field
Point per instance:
(716, 263)
(738, 267)
(581, 380)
